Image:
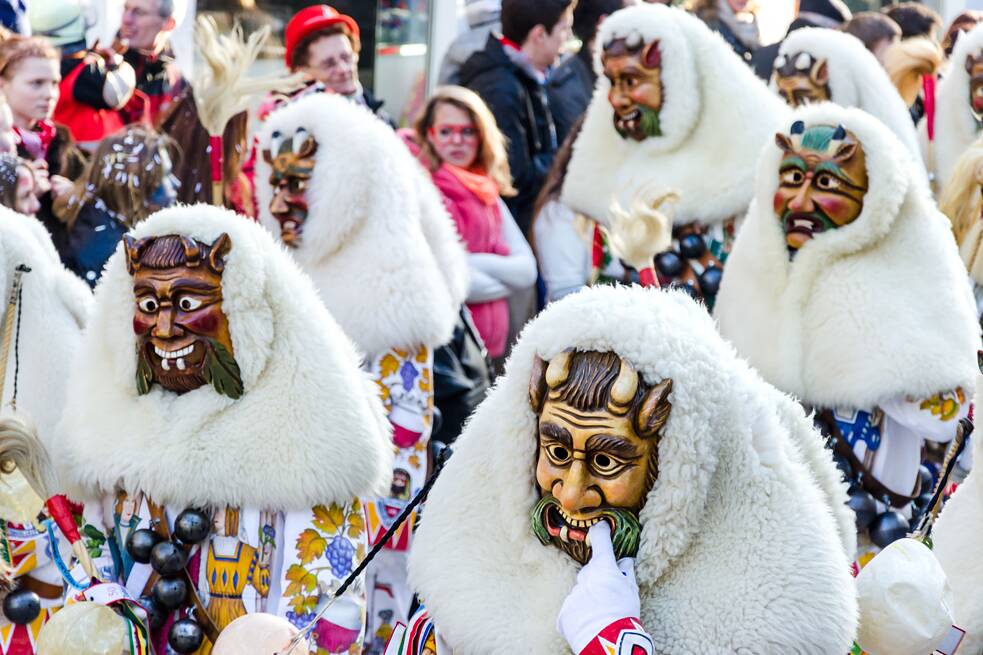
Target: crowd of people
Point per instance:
(696, 314)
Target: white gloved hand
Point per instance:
(605, 592)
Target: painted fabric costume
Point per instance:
(668, 97)
(742, 520)
(959, 108)
(275, 441)
(53, 303)
(817, 64)
(846, 290)
(362, 218)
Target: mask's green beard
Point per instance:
(650, 123)
(220, 370)
(625, 536)
(824, 220)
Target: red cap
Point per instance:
(312, 19)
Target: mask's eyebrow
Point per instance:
(616, 446)
(556, 433)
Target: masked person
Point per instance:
(221, 435)
(958, 108)
(818, 64)
(343, 193)
(845, 289)
(51, 311)
(663, 117)
(623, 405)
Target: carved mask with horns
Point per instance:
(292, 161)
(802, 79)
(597, 458)
(634, 69)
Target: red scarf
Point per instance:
(477, 182)
(38, 138)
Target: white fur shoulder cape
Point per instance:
(955, 126)
(54, 306)
(309, 428)
(856, 78)
(716, 115)
(957, 536)
(877, 309)
(745, 534)
(378, 242)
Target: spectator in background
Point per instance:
(95, 83)
(464, 151)
(510, 75)
(17, 185)
(812, 13)
(735, 20)
(484, 18)
(325, 45)
(29, 80)
(572, 83)
(964, 22)
(915, 19)
(876, 30)
(128, 178)
(570, 248)
(144, 34)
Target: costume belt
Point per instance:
(826, 422)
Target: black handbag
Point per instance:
(462, 377)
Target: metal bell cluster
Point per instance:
(168, 559)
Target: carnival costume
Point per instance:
(816, 64)
(845, 289)
(956, 536)
(339, 188)
(685, 127)
(220, 430)
(45, 318)
(624, 404)
(959, 108)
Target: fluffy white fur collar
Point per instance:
(715, 113)
(54, 308)
(955, 125)
(957, 541)
(378, 242)
(309, 428)
(876, 309)
(856, 79)
(745, 535)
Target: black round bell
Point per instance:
(927, 481)
(192, 526)
(22, 606)
(888, 528)
(156, 615)
(864, 508)
(170, 592)
(168, 558)
(669, 263)
(185, 636)
(140, 543)
(692, 246)
(923, 500)
(710, 280)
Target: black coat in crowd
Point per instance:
(570, 88)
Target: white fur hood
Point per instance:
(378, 242)
(309, 428)
(54, 307)
(715, 113)
(745, 533)
(856, 78)
(871, 311)
(955, 126)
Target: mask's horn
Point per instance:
(558, 370)
(624, 389)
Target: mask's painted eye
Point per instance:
(604, 464)
(792, 177)
(188, 304)
(827, 182)
(148, 304)
(558, 454)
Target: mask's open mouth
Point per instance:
(179, 359)
(799, 228)
(291, 227)
(566, 528)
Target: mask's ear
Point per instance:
(133, 249)
(651, 55)
(846, 151)
(268, 156)
(655, 409)
(218, 251)
(820, 73)
(537, 385)
(783, 142)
